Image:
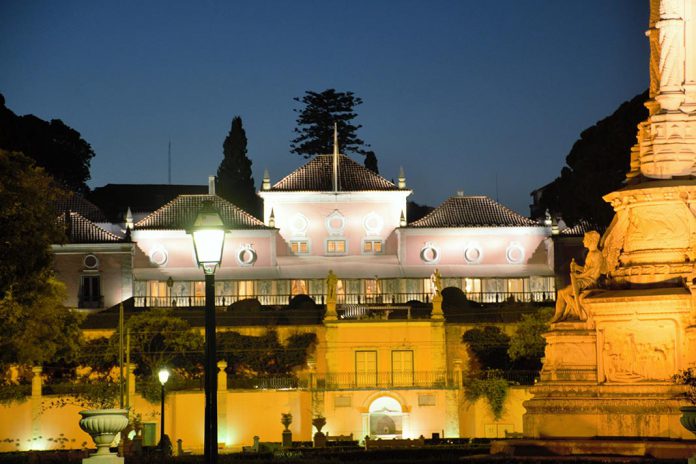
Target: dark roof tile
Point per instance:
(81, 230)
(317, 176)
(180, 213)
(77, 203)
(472, 211)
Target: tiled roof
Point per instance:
(77, 203)
(317, 176)
(472, 211)
(81, 230)
(115, 199)
(578, 229)
(180, 213)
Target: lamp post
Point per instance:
(208, 233)
(163, 375)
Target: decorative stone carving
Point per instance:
(634, 353)
(568, 301)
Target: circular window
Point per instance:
(159, 256)
(246, 256)
(299, 224)
(429, 254)
(90, 261)
(373, 224)
(335, 223)
(473, 253)
(514, 253)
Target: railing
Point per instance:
(90, 303)
(359, 380)
(265, 383)
(185, 301)
(370, 312)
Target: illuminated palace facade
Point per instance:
(372, 374)
(356, 226)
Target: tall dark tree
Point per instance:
(54, 146)
(596, 165)
(234, 178)
(315, 124)
(371, 161)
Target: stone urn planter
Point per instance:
(688, 418)
(103, 425)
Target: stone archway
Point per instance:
(385, 419)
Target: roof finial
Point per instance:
(129, 219)
(402, 178)
(271, 219)
(335, 158)
(266, 185)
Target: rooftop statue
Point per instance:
(568, 305)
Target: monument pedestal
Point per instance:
(611, 375)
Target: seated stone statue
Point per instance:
(568, 307)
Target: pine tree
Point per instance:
(371, 161)
(315, 123)
(234, 178)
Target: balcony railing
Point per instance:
(368, 380)
(185, 301)
(90, 302)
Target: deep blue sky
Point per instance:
(457, 92)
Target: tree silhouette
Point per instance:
(234, 178)
(54, 146)
(596, 165)
(315, 124)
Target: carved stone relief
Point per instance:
(656, 227)
(638, 352)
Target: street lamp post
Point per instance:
(208, 240)
(163, 375)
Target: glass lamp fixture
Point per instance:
(208, 237)
(163, 375)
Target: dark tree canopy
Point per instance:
(489, 345)
(234, 177)
(596, 165)
(371, 161)
(315, 124)
(54, 146)
(28, 225)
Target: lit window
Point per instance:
(372, 246)
(298, 287)
(299, 247)
(335, 246)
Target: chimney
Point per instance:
(211, 185)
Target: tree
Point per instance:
(28, 226)
(489, 347)
(158, 339)
(596, 165)
(37, 328)
(315, 124)
(234, 177)
(54, 146)
(371, 161)
(527, 344)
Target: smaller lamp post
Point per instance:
(163, 375)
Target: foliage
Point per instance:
(39, 330)
(371, 161)
(687, 377)
(27, 196)
(489, 346)
(160, 339)
(415, 211)
(490, 386)
(527, 344)
(90, 391)
(54, 146)
(315, 124)
(234, 177)
(261, 355)
(596, 165)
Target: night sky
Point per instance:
(460, 93)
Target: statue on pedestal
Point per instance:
(568, 305)
(331, 284)
(436, 284)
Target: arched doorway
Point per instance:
(386, 418)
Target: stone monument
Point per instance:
(436, 286)
(628, 321)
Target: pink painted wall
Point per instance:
(492, 246)
(354, 232)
